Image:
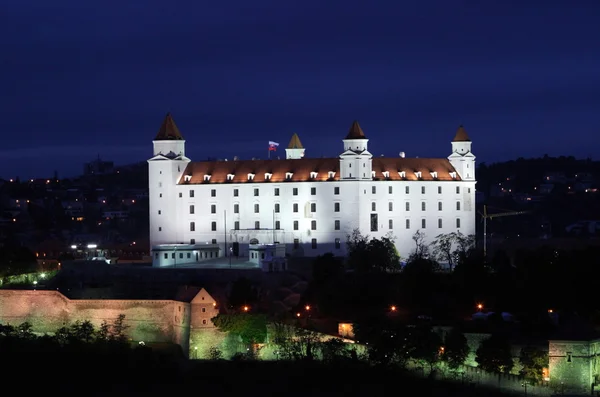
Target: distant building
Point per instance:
(308, 204)
(98, 167)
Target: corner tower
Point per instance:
(462, 159)
(294, 150)
(355, 161)
(165, 168)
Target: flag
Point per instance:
(273, 146)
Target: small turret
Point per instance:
(294, 150)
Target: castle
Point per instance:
(210, 209)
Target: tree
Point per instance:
(251, 328)
(424, 345)
(326, 268)
(387, 343)
(494, 354)
(443, 246)
(421, 249)
(533, 361)
(371, 254)
(358, 253)
(456, 349)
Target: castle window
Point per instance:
(206, 178)
(313, 175)
(295, 207)
(159, 184)
(192, 226)
(439, 223)
(256, 208)
(331, 174)
(423, 206)
(250, 176)
(289, 175)
(236, 192)
(458, 205)
(338, 244)
(390, 190)
(214, 241)
(569, 357)
(374, 223)
(203, 322)
(336, 224)
(313, 243)
(213, 226)
(180, 195)
(423, 223)
(277, 207)
(313, 207)
(166, 256)
(187, 178)
(390, 206)
(336, 207)
(313, 225)
(256, 192)
(296, 226)
(203, 310)
(390, 224)
(313, 191)
(236, 208)
(453, 175)
(236, 225)
(434, 174)
(159, 212)
(439, 206)
(192, 242)
(295, 191)
(268, 176)
(458, 190)
(160, 229)
(402, 174)
(373, 189)
(373, 206)
(407, 205)
(408, 223)
(336, 190)
(257, 225)
(276, 191)
(386, 174)
(407, 190)
(192, 209)
(230, 177)
(213, 192)
(458, 223)
(191, 193)
(213, 208)
(277, 225)
(468, 190)
(422, 189)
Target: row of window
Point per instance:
(336, 224)
(313, 207)
(313, 191)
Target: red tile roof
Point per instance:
(355, 132)
(301, 170)
(461, 135)
(168, 130)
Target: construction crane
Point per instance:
(487, 216)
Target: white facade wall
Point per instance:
(355, 198)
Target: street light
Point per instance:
(479, 306)
(393, 308)
(245, 308)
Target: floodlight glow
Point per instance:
(92, 246)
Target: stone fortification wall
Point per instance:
(571, 365)
(148, 320)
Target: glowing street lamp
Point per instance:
(393, 308)
(307, 307)
(479, 306)
(297, 314)
(245, 308)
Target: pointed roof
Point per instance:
(168, 130)
(356, 132)
(461, 135)
(295, 142)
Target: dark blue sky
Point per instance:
(80, 78)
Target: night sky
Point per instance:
(82, 78)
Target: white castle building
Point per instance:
(209, 209)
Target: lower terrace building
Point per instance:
(210, 209)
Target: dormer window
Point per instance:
(313, 175)
(289, 175)
(331, 174)
(418, 174)
(453, 175)
(230, 177)
(386, 174)
(402, 174)
(434, 174)
(187, 178)
(373, 173)
(268, 176)
(250, 177)
(206, 177)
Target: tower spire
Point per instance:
(168, 130)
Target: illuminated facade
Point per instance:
(203, 210)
